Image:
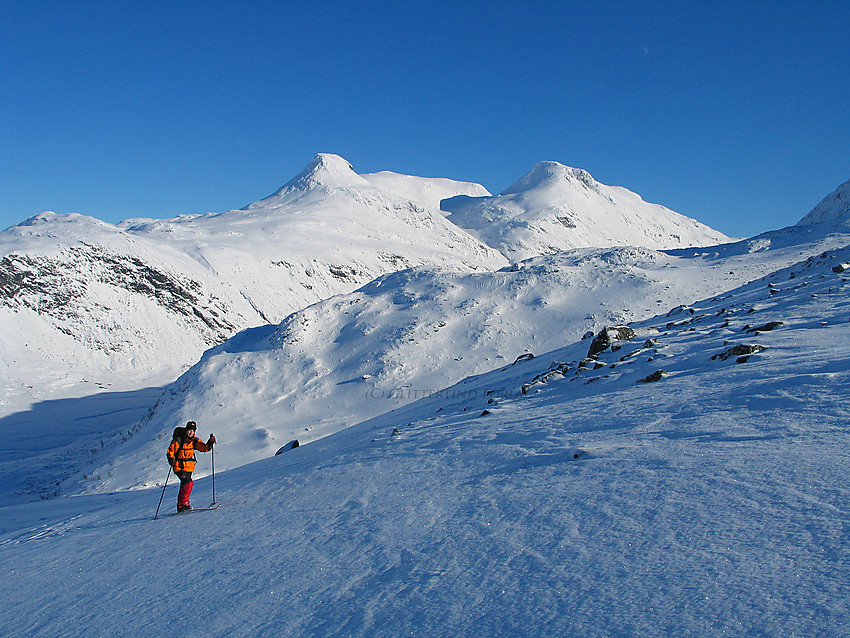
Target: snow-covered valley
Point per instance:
(601, 439)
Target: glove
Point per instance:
(211, 441)
(170, 461)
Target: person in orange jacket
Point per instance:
(181, 458)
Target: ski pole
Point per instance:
(163, 493)
(213, 475)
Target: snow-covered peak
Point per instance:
(834, 209)
(555, 207)
(48, 232)
(42, 218)
(551, 174)
(325, 171)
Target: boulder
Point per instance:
(652, 378)
(608, 336)
(767, 327)
(742, 351)
(289, 446)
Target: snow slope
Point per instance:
(412, 333)
(711, 502)
(555, 207)
(833, 211)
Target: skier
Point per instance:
(181, 458)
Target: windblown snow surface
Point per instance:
(680, 472)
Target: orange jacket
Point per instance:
(181, 453)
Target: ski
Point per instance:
(212, 506)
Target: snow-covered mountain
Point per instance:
(684, 475)
(833, 212)
(86, 303)
(555, 207)
(328, 173)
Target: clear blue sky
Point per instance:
(734, 113)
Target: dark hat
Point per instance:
(191, 425)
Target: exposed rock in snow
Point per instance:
(770, 325)
(609, 336)
(654, 377)
(741, 350)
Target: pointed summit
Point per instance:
(834, 209)
(326, 171)
(551, 174)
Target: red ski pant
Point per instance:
(186, 485)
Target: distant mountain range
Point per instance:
(85, 304)
(82, 300)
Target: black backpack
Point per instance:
(179, 434)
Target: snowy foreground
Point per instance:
(711, 501)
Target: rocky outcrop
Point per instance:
(742, 351)
(68, 291)
(652, 378)
(607, 337)
(771, 325)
